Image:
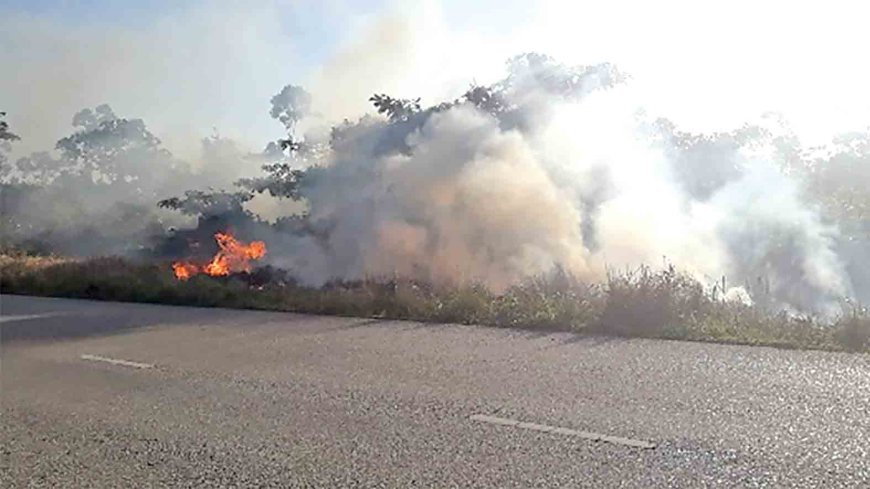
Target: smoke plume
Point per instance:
(554, 167)
(568, 173)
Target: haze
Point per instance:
(190, 69)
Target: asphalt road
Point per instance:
(102, 394)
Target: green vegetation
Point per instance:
(645, 303)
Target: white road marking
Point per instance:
(114, 361)
(24, 317)
(563, 431)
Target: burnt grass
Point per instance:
(642, 303)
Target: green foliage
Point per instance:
(487, 99)
(290, 105)
(281, 180)
(282, 177)
(111, 149)
(554, 302)
(396, 109)
(5, 134)
(6, 137)
(208, 204)
(854, 329)
(649, 303)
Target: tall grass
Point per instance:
(644, 302)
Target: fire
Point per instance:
(184, 270)
(233, 256)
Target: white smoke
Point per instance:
(579, 183)
(584, 183)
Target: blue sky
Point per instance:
(312, 23)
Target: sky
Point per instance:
(194, 68)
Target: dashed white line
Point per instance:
(563, 431)
(115, 361)
(26, 317)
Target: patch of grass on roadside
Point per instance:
(853, 329)
(641, 303)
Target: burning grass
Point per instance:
(233, 256)
(644, 303)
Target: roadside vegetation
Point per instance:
(494, 180)
(642, 303)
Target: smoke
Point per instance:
(470, 202)
(554, 167)
(185, 71)
(576, 177)
(585, 183)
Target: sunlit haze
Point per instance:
(192, 68)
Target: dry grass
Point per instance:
(645, 303)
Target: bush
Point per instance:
(853, 330)
(648, 303)
(555, 302)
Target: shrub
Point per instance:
(556, 301)
(650, 303)
(853, 329)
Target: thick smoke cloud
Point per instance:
(569, 173)
(470, 202)
(553, 167)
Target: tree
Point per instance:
(208, 204)
(109, 149)
(396, 109)
(281, 181)
(104, 150)
(6, 138)
(289, 106)
(704, 163)
(841, 179)
(286, 156)
(5, 134)
(534, 71)
(88, 119)
(487, 99)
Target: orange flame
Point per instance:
(184, 270)
(233, 256)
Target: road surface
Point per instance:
(99, 394)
